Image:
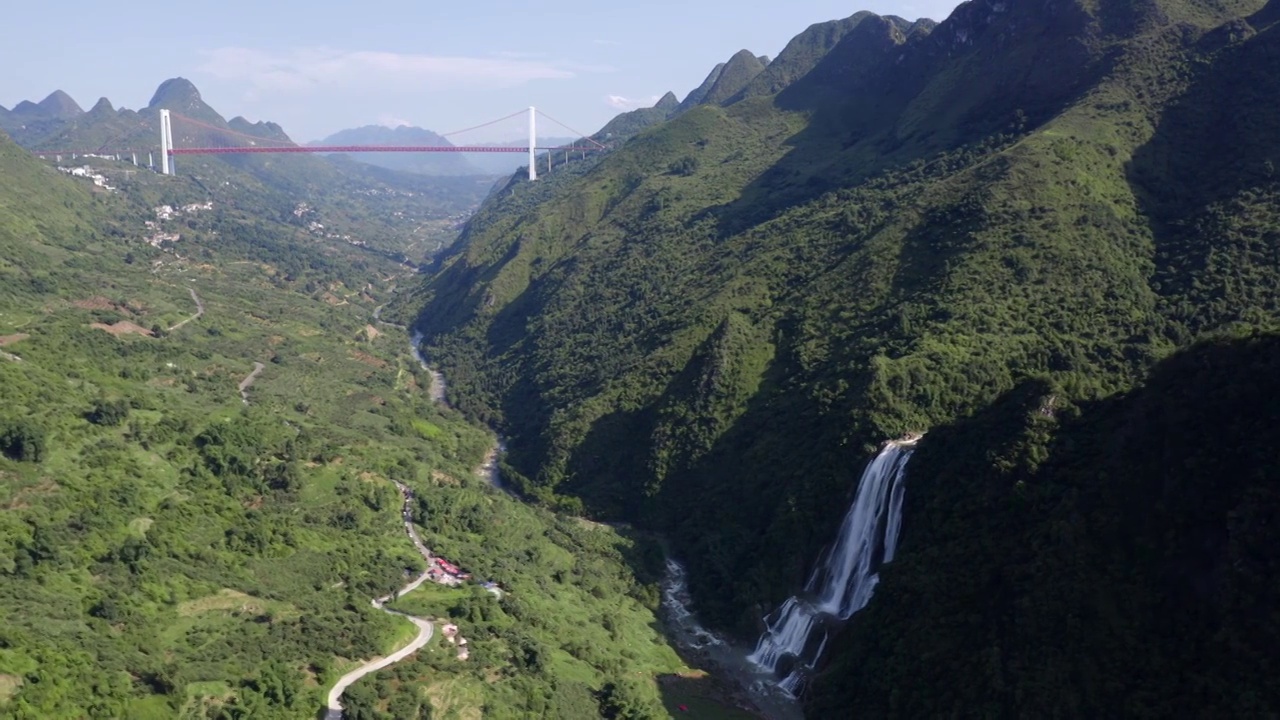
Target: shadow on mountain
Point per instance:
(892, 95)
(1208, 178)
(696, 695)
(1111, 558)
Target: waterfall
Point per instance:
(845, 576)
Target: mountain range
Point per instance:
(59, 123)
(431, 163)
(1042, 237)
(421, 222)
(1043, 232)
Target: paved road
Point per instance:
(425, 628)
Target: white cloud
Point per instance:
(392, 121)
(618, 102)
(306, 69)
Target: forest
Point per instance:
(169, 549)
(890, 228)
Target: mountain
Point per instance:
(629, 123)
(441, 164)
(60, 106)
(698, 94)
(398, 212)
(710, 330)
(424, 163)
(741, 69)
(29, 119)
(206, 439)
(803, 53)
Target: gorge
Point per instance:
(1045, 232)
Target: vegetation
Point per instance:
(709, 329)
(1126, 544)
(404, 216)
(169, 550)
(572, 634)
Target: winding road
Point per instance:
(487, 469)
(425, 628)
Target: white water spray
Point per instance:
(845, 576)
(676, 601)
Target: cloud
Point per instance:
(392, 121)
(303, 70)
(618, 102)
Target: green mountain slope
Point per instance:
(166, 547)
(740, 70)
(710, 329)
(698, 94)
(1116, 559)
(175, 542)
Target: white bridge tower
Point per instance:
(533, 142)
(166, 143)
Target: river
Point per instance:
(730, 662)
(758, 688)
(436, 391)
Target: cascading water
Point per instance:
(676, 601)
(845, 576)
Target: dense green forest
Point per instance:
(168, 549)
(1109, 558)
(889, 228)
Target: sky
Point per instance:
(321, 66)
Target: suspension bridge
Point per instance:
(201, 138)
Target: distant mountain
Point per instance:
(422, 163)
(29, 118)
(432, 163)
(413, 213)
(59, 105)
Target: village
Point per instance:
(441, 571)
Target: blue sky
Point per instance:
(317, 67)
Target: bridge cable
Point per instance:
(229, 131)
(482, 125)
(581, 135)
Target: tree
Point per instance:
(108, 412)
(21, 440)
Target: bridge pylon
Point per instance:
(166, 143)
(533, 144)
